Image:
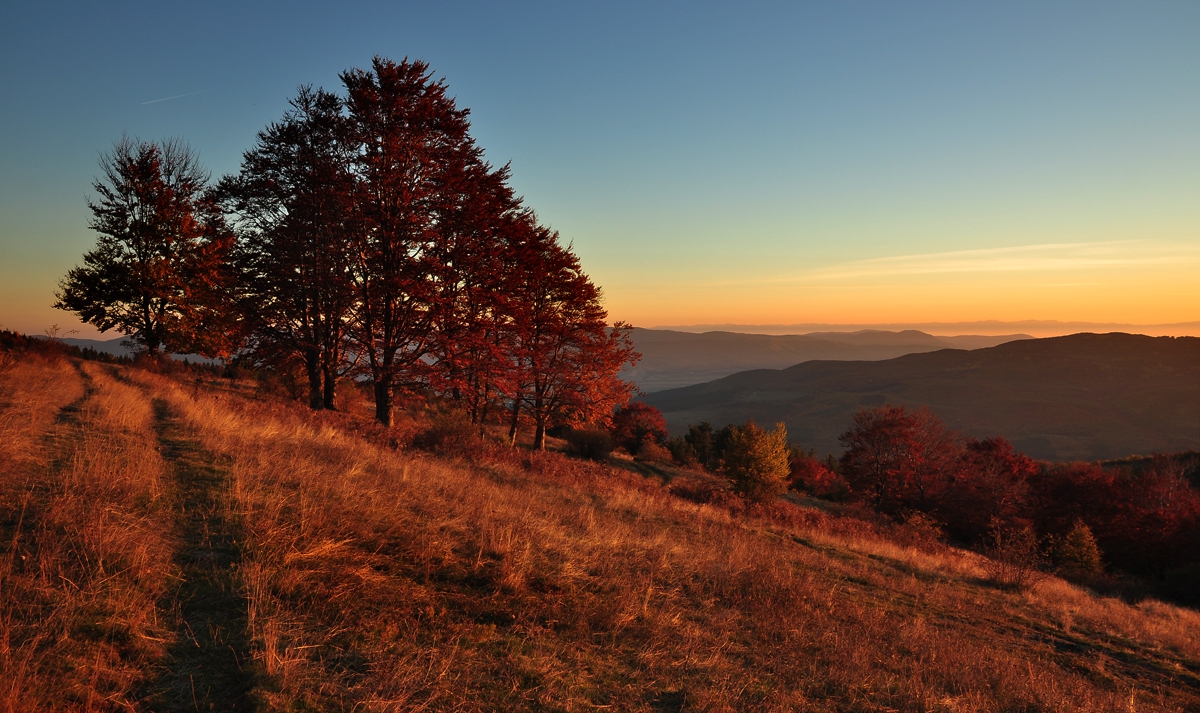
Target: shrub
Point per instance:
(706, 493)
(920, 531)
(1076, 553)
(682, 452)
(1015, 559)
(651, 452)
(592, 444)
(756, 461)
(449, 433)
(812, 476)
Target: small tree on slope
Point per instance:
(756, 461)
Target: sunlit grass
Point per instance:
(384, 579)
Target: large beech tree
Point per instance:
(476, 258)
(157, 272)
(291, 203)
(412, 143)
(899, 459)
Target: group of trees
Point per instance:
(364, 235)
(1145, 522)
(1141, 518)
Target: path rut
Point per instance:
(210, 666)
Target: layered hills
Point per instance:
(672, 359)
(1084, 396)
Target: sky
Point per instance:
(752, 163)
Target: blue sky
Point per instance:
(759, 163)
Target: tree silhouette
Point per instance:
(291, 203)
(412, 141)
(157, 272)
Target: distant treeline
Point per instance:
(14, 343)
(363, 235)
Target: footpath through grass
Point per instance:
(209, 666)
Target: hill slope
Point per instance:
(180, 546)
(1085, 396)
(673, 359)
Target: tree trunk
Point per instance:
(312, 366)
(383, 398)
(539, 418)
(539, 435)
(512, 429)
(330, 387)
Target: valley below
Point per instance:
(1079, 397)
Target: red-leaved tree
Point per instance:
(636, 424)
(566, 359)
(898, 460)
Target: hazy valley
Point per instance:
(1087, 396)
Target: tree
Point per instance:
(989, 483)
(756, 461)
(636, 424)
(815, 476)
(157, 273)
(412, 142)
(566, 359)
(472, 321)
(1076, 553)
(898, 460)
(291, 204)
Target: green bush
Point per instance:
(1076, 553)
(756, 461)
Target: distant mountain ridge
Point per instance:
(1034, 327)
(1084, 396)
(674, 359)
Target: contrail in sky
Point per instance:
(177, 96)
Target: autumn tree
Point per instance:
(566, 358)
(756, 461)
(157, 272)
(481, 223)
(411, 142)
(897, 459)
(291, 203)
(636, 424)
(989, 483)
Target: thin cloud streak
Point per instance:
(1048, 257)
(177, 96)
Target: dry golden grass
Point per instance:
(376, 579)
(396, 582)
(86, 555)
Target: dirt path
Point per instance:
(209, 667)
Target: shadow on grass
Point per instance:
(209, 666)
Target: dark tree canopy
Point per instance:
(157, 272)
(292, 206)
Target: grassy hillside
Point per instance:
(673, 359)
(179, 545)
(1086, 396)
